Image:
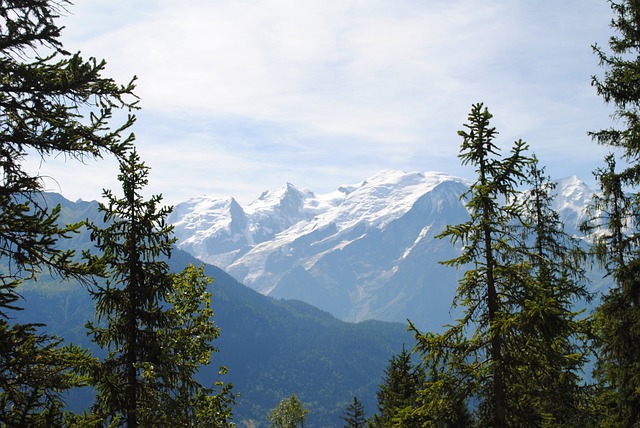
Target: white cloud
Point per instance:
(329, 91)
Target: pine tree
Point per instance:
(52, 103)
(443, 399)
(354, 415)
(156, 329)
(477, 363)
(617, 246)
(550, 339)
(398, 392)
(617, 319)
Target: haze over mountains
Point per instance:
(364, 251)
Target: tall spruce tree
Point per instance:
(617, 248)
(617, 318)
(156, 329)
(550, 339)
(398, 392)
(52, 103)
(473, 350)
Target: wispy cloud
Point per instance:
(240, 96)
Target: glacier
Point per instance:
(363, 251)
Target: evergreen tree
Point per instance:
(354, 415)
(289, 413)
(399, 390)
(157, 331)
(442, 401)
(477, 363)
(617, 319)
(550, 338)
(617, 246)
(52, 103)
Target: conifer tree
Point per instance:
(354, 415)
(443, 399)
(550, 339)
(156, 329)
(399, 390)
(617, 318)
(52, 103)
(473, 350)
(617, 246)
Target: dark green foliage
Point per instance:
(52, 103)
(519, 350)
(158, 330)
(188, 346)
(35, 371)
(443, 399)
(484, 291)
(550, 339)
(354, 416)
(620, 86)
(617, 319)
(398, 393)
(617, 242)
(132, 243)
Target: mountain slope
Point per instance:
(365, 251)
(272, 348)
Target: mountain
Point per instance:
(272, 347)
(365, 251)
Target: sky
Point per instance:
(241, 96)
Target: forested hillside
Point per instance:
(272, 348)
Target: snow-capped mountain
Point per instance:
(363, 251)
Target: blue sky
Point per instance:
(241, 96)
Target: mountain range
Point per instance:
(364, 251)
(272, 347)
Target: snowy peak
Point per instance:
(204, 223)
(206, 215)
(572, 197)
(572, 190)
(286, 195)
(366, 250)
(285, 204)
(386, 196)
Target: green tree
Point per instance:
(399, 390)
(188, 346)
(617, 318)
(617, 244)
(52, 103)
(354, 415)
(289, 413)
(158, 330)
(485, 290)
(442, 401)
(550, 338)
